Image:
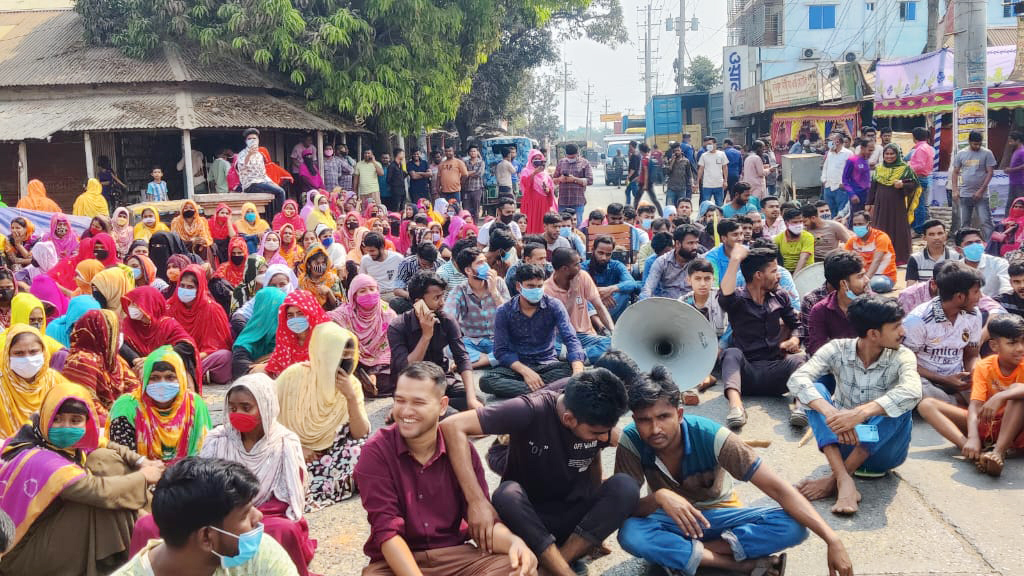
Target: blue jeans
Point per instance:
(478, 347)
(893, 437)
(969, 207)
(592, 344)
(672, 197)
(717, 193)
(750, 532)
(836, 198)
(269, 187)
(632, 189)
(621, 303)
(921, 213)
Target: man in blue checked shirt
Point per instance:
(614, 282)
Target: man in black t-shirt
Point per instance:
(633, 174)
(551, 493)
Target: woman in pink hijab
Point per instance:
(538, 192)
(368, 317)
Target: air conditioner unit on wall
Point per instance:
(810, 54)
(851, 56)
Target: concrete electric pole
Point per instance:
(589, 93)
(565, 101)
(680, 74)
(647, 58)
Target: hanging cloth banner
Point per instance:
(791, 124)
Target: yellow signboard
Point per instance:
(617, 117)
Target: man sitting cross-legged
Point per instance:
(692, 517)
(413, 500)
(866, 425)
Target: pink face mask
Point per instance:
(368, 300)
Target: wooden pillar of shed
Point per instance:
(22, 169)
(90, 166)
(186, 147)
(320, 150)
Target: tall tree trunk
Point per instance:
(1018, 65)
(932, 42)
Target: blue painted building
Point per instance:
(796, 35)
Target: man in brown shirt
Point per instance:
(692, 518)
(450, 174)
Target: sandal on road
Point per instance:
(770, 566)
(991, 463)
(736, 418)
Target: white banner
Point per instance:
(738, 64)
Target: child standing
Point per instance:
(995, 417)
(156, 191)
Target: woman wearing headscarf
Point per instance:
(436, 235)
(220, 290)
(85, 271)
(47, 290)
(251, 226)
(346, 234)
(309, 173)
(60, 329)
(289, 214)
(197, 312)
(380, 226)
(63, 237)
(109, 286)
(36, 199)
(121, 231)
(162, 419)
(94, 361)
(270, 247)
(317, 276)
(140, 247)
(44, 259)
(222, 230)
(538, 192)
(25, 376)
(1013, 228)
(277, 276)
(368, 317)
(175, 265)
(296, 318)
(20, 242)
(144, 271)
(455, 225)
(91, 202)
(252, 276)
(149, 225)
(192, 227)
(233, 269)
(322, 402)
(436, 211)
(104, 249)
(147, 327)
(335, 250)
(162, 246)
(892, 189)
(8, 290)
(73, 497)
(356, 253)
(309, 206)
(256, 341)
(291, 250)
(99, 223)
(275, 172)
(27, 310)
(321, 214)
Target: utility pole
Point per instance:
(589, 93)
(565, 101)
(606, 106)
(969, 60)
(681, 77)
(647, 59)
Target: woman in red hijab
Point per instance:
(296, 318)
(147, 327)
(289, 214)
(205, 320)
(222, 230)
(233, 269)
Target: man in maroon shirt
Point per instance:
(827, 319)
(416, 509)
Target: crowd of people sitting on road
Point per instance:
(484, 326)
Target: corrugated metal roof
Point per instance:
(47, 48)
(1002, 36)
(260, 110)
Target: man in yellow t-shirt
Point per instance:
(795, 244)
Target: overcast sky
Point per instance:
(616, 72)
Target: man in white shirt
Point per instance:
(993, 269)
(832, 173)
(380, 263)
(773, 222)
(712, 172)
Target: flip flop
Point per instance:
(736, 418)
(768, 564)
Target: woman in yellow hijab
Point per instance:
(36, 199)
(322, 402)
(109, 286)
(25, 377)
(320, 214)
(91, 203)
(192, 226)
(149, 225)
(27, 310)
(251, 224)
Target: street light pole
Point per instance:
(681, 78)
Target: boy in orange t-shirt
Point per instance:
(875, 248)
(995, 416)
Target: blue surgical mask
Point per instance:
(186, 295)
(136, 273)
(974, 252)
(162, 392)
(482, 271)
(851, 295)
(65, 436)
(248, 545)
(327, 242)
(860, 231)
(299, 324)
(532, 295)
(646, 223)
(250, 217)
(565, 231)
(507, 256)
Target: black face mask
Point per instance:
(507, 219)
(237, 260)
(100, 298)
(352, 225)
(188, 213)
(6, 294)
(100, 254)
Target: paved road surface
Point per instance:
(934, 515)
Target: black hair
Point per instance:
(757, 146)
(1009, 326)
(161, 366)
(975, 136)
(662, 240)
(644, 148)
(862, 214)
(699, 265)
(530, 247)
(646, 208)
(739, 188)
(841, 265)
(552, 218)
(7, 531)
(426, 371)
(767, 199)
(527, 272)
(505, 152)
(726, 225)
(73, 406)
(420, 219)
(792, 213)
(620, 364)
(757, 260)
(567, 214)
(604, 239)
(373, 240)
(596, 397)
(956, 278)
(885, 130)
(505, 200)
(1018, 136)
(596, 215)
(500, 240)
(462, 244)
(659, 223)
(614, 209)
(647, 389)
(250, 132)
(1016, 268)
(199, 492)
(687, 200)
(929, 224)
(563, 257)
(963, 233)
(103, 162)
(628, 212)
(465, 258)
(681, 232)
(922, 133)
(808, 211)
(422, 280)
(872, 312)
(426, 251)
(571, 149)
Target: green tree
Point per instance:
(533, 109)
(702, 74)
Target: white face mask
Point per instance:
(134, 313)
(796, 229)
(149, 220)
(27, 367)
(271, 245)
(252, 143)
(710, 147)
(324, 207)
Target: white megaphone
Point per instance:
(809, 279)
(668, 332)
